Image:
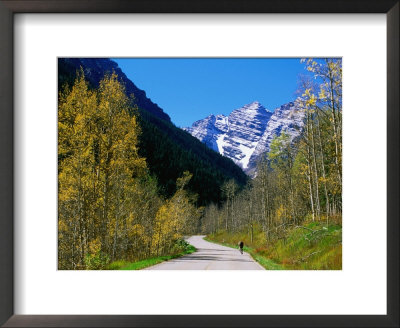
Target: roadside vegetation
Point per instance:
(264, 261)
(311, 246)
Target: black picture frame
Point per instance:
(10, 7)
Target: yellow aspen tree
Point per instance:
(119, 161)
(99, 169)
(75, 145)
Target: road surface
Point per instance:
(210, 256)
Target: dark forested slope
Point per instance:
(169, 151)
(95, 69)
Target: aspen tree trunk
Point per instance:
(217, 222)
(335, 127)
(268, 210)
(308, 159)
(232, 212)
(263, 206)
(227, 215)
(158, 242)
(250, 216)
(292, 201)
(323, 169)
(118, 212)
(105, 214)
(73, 245)
(315, 171)
(106, 190)
(266, 203)
(80, 216)
(116, 230)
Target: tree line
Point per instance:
(297, 181)
(109, 205)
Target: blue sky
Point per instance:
(189, 89)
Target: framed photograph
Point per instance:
(181, 164)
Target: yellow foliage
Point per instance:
(322, 94)
(94, 246)
(280, 212)
(311, 101)
(98, 163)
(62, 226)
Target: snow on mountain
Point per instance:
(221, 123)
(246, 125)
(288, 118)
(209, 129)
(247, 132)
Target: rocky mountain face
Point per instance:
(247, 132)
(208, 130)
(95, 69)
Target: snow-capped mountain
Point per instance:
(245, 126)
(209, 129)
(247, 132)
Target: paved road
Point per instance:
(210, 256)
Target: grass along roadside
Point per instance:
(263, 261)
(124, 265)
(311, 246)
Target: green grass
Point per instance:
(124, 265)
(312, 246)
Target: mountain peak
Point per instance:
(253, 105)
(247, 132)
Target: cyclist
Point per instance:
(241, 244)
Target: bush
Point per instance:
(180, 245)
(117, 265)
(96, 261)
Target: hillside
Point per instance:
(169, 151)
(95, 69)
